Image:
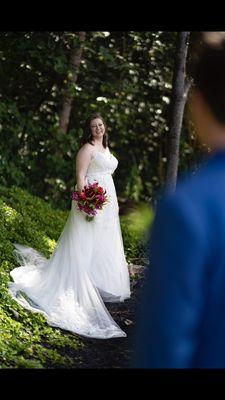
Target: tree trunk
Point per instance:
(75, 60)
(180, 90)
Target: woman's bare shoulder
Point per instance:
(87, 148)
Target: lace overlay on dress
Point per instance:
(86, 269)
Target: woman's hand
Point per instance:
(80, 189)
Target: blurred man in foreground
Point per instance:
(181, 321)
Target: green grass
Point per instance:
(135, 229)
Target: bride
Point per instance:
(88, 266)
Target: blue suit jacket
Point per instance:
(181, 321)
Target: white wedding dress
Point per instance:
(86, 269)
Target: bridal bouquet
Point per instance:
(90, 200)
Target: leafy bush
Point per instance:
(25, 337)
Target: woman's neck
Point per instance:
(98, 143)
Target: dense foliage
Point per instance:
(125, 75)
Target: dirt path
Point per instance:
(117, 352)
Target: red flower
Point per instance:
(100, 190)
(91, 199)
(82, 195)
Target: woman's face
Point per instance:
(97, 128)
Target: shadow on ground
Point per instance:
(116, 352)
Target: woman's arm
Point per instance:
(82, 162)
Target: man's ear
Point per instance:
(197, 99)
(199, 104)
